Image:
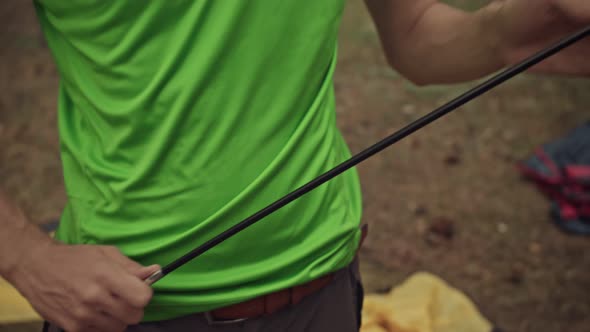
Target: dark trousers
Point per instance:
(336, 307)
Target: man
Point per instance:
(178, 119)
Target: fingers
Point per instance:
(82, 320)
(127, 287)
(87, 288)
(106, 323)
(147, 271)
(106, 314)
(120, 310)
(140, 271)
(127, 282)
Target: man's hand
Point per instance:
(84, 288)
(79, 288)
(526, 28)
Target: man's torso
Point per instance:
(180, 118)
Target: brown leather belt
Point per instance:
(273, 302)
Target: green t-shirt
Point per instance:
(178, 119)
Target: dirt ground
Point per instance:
(492, 235)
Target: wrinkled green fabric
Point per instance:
(178, 119)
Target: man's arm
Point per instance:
(18, 238)
(79, 288)
(430, 42)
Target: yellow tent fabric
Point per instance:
(423, 303)
(13, 307)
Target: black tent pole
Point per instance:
(377, 147)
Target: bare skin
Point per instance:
(430, 42)
(97, 288)
(81, 288)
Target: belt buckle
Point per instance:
(212, 321)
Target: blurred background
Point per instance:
(447, 200)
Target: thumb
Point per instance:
(146, 271)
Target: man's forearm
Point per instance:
(18, 238)
(437, 43)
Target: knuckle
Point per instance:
(146, 296)
(82, 315)
(100, 274)
(143, 297)
(91, 295)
